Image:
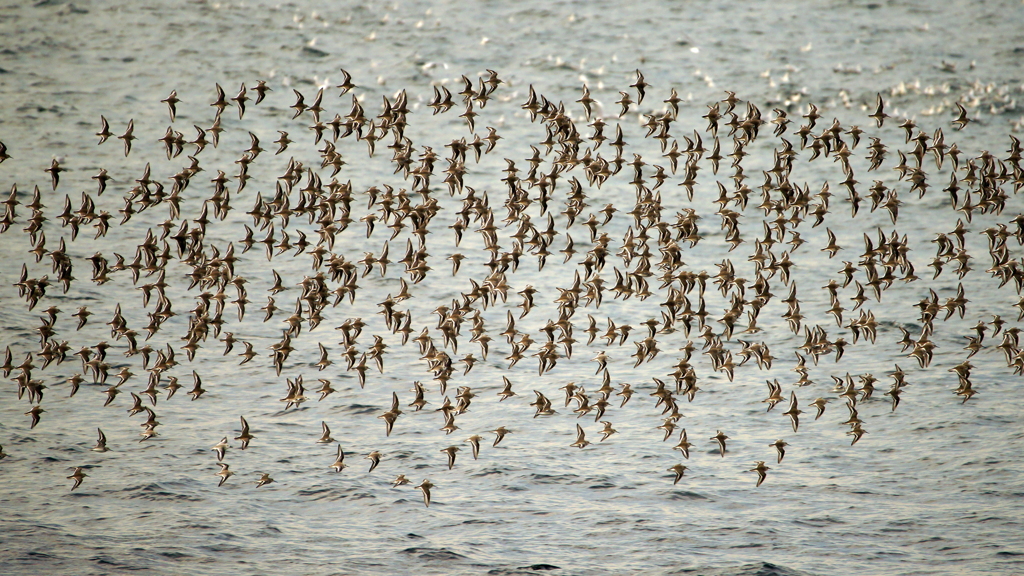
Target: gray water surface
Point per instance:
(934, 486)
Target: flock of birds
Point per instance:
(541, 193)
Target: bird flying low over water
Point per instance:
(780, 447)
(339, 461)
(101, 442)
(425, 487)
(720, 438)
(244, 436)
(762, 472)
(224, 473)
(78, 475)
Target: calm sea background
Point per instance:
(935, 487)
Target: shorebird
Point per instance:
(339, 461)
(101, 442)
(346, 84)
(34, 413)
(425, 487)
(819, 403)
(224, 473)
(220, 448)
(172, 102)
(581, 438)
(506, 392)
(245, 436)
(499, 434)
(780, 447)
(607, 431)
(684, 445)
(325, 438)
(261, 90)
(720, 438)
(264, 480)
(762, 471)
(793, 412)
(678, 469)
(961, 118)
(450, 451)
(282, 142)
(857, 432)
(774, 394)
(879, 114)
(104, 132)
(474, 441)
(325, 388)
(374, 458)
(54, 170)
(128, 136)
(78, 475)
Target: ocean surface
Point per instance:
(934, 486)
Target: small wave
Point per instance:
(532, 568)
(442, 554)
(328, 494)
(156, 492)
(686, 495)
(315, 52)
(174, 555)
(361, 409)
(755, 569)
(488, 472)
(554, 479)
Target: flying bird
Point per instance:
(425, 487)
(78, 475)
(762, 471)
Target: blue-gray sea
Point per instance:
(936, 486)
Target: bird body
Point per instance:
(780, 447)
(720, 438)
(244, 436)
(474, 441)
(325, 438)
(678, 469)
(762, 471)
(374, 458)
(499, 434)
(425, 487)
(450, 452)
(581, 438)
(101, 442)
(339, 461)
(220, 448)
(224, 473)
(78, 475)
(793, 412)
